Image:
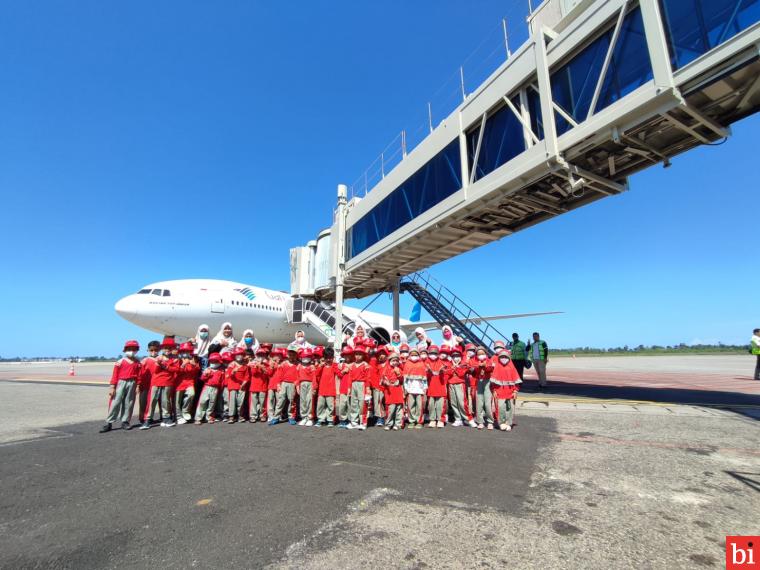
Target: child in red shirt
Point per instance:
(237, 378)
(307, 377)
(185, 394)
(126, 373)
(345, 384)
(259, 372)
(505, 382)
(273, 386)
(457, 375)
(325, 388)
(392, 380)
(436, 390)
(212, 379)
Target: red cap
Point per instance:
(304, 353)
(445, 349)
(319, 351)
(266, 346)
(499, 344)
(403, 348)
(469, 346)
(261, 351)
(168, 342)
(227, 357)
(131, 345)
(360, 350)
(381, 350)
(346, 351)
(432, 348)
(456, 350)
(239, 351)
(215, 357)
(186, 347)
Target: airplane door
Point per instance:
(217, 305)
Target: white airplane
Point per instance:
(179, 307)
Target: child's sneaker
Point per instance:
(387, 428)
(490, 426)
(181, 421)
(395, 428)
(472, 423)
(457, 423)
(508, 428)
(361, 427)
(106, 428)
(431, 424)
(126, 426)
(302, 422)
(198, 422)
(380, 422)
(145, 425)
(503, 427)
(330, 424)
(343, 425)
(273, 422)
(480, 426)
(292, 421)
(170, 423)
(309, 423)
(417, 426)
(441, 424)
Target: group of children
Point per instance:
(381, 385)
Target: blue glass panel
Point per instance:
(694, 27)
(534, 108)
(574, 83)
(503, 140)
(435, 181)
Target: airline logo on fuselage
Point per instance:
(247, 293)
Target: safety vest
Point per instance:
(755, 344)
(518, 350)
(541, 350)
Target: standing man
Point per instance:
(755, 349)
(538, 354)
(518, 354)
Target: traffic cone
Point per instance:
(71, 370)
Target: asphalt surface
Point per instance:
(577, 486)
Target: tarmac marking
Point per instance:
(589, 400)
(203, 502)
(59, 382)
(52, 435)
(365, 466)
(657, 444)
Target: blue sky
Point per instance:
(143, 141)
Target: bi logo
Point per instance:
(741, 552)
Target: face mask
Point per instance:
(166, 353)
(503, 360)
(446, 334)
(470, 354)
(457, 359)
(414, 358)
(404, 354)
(444, 357)
(433, 357)
(499, 350)
(187, 356)
(215, 365)
(238, 359)
(203, 335)
(129, 353)
(248, 340)
(481, 357)
(306, 360)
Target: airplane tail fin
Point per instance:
(416, 313)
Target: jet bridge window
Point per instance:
(574, 84)
(502, 140)
(694, 27)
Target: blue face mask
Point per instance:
(204, 335)
(248, 340)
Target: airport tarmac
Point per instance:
(581, 482)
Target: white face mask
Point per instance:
(444, 357)
(306, 361)
(414, 358)
(470, 354)
(129, 353)
(215, 365)
(457, 359)
(481, 357)
(238, 359)
(503, 360)
(404, 354)
(433, 357)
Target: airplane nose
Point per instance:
(126, 307)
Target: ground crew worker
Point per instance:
(325, 388)
(415, 386)
(259, 372)
(126, 373)
(518, 354)
(185, 394)
(307, 377)
(392, 380)
(755, 349)
(538, 354)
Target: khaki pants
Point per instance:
(271, 403)
(540, 366)
(123, 402)
(378, 403)
(356, 407)
(235, 401)
(142, 398)
(435, 409)
(184, 403)
(285, 397)
(457, 402)
(414, 403)
(395, 416)
(343, 407)
(207, 403)
(506, 411)
(306, 396)
(256, 405)
(160, 396)
(325, 408)
(483, 406)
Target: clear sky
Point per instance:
(142, 141)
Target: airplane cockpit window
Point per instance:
(156, 292)
(143, 291)
(167, 293)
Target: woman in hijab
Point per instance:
(224, 341)
(421, 338)
(201, 342)
(395, 343)
(299, 342)
(358, 338)
(449, 339)
(249, 342)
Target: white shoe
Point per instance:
(490, 426)
(472, 423)
(480, 426)
(361, 427)
(508, 428)
(163, 424)
(441, 424)
(457, 423)
(503, 427)
(352, 426)
(431, 424)
(395, 428)
(309, 423)
(181, 421)
(170, 423)
(302, 423)
(387, 428)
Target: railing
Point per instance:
(493, 50)
(457, 307)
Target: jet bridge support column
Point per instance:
(341, 263)
(396, 294)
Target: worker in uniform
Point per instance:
(755, 350)
(124, 379)
(212, 380)
(392, 381)
(538, 354)
(237, 378)
(307, 376)
(518, 354)
(258, 372)
(326, 389)
(186, 377)
(504, 385)
(483, 395)
(436, 391)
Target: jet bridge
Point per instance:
(601, 90)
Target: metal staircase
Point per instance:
(448, 309)
(321, 315)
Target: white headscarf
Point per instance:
(425, 342)
(231, 342)
(452, 341)
(394, 346)
(201, 345)
(254, 345)
(295, 345)
(353, 339)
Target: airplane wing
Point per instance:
(432, 325)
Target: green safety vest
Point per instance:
(755, 347)
(518, 350)
(541, 350)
